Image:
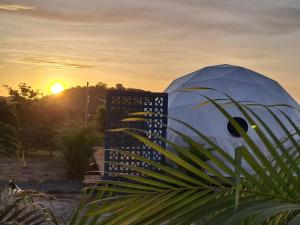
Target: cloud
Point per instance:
(55, 63)
(14, 7)
(77, 17)
(181, 16)
(95, 11)
(240, 17)
(234, 17)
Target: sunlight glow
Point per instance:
(57, 88)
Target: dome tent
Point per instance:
(241, 84)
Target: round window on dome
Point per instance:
(233, 131)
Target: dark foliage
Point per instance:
(77, 144)
(41, 116)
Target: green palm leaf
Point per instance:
(191, 189)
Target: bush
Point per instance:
(77, 147)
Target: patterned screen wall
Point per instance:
(119, 104)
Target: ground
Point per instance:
(64, 206)
(46, 174)
(39, 168)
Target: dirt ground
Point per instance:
(64, 206)
(47, 173)
(39, 168)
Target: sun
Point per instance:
(57, 88)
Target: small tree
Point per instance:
(120, 87)
(23, 100)
(102, 85)
(77, 146)
(9, 131)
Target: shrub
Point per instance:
(77, 147)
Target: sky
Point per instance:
(145, 43)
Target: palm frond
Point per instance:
(210, 190)
(23, 207)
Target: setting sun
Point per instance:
(57, 88)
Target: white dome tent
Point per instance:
(241, 84)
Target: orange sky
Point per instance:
(146, 43)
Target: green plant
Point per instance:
(23, 100)
(77, 145)
(204, 195)
(10, 144)
(23, 208)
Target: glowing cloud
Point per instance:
(12, 7)
(56, 63)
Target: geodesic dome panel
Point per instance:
(241, 84)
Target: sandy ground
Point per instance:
(63, 207)
(48, 175)
(44, 174)
(38, 169)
